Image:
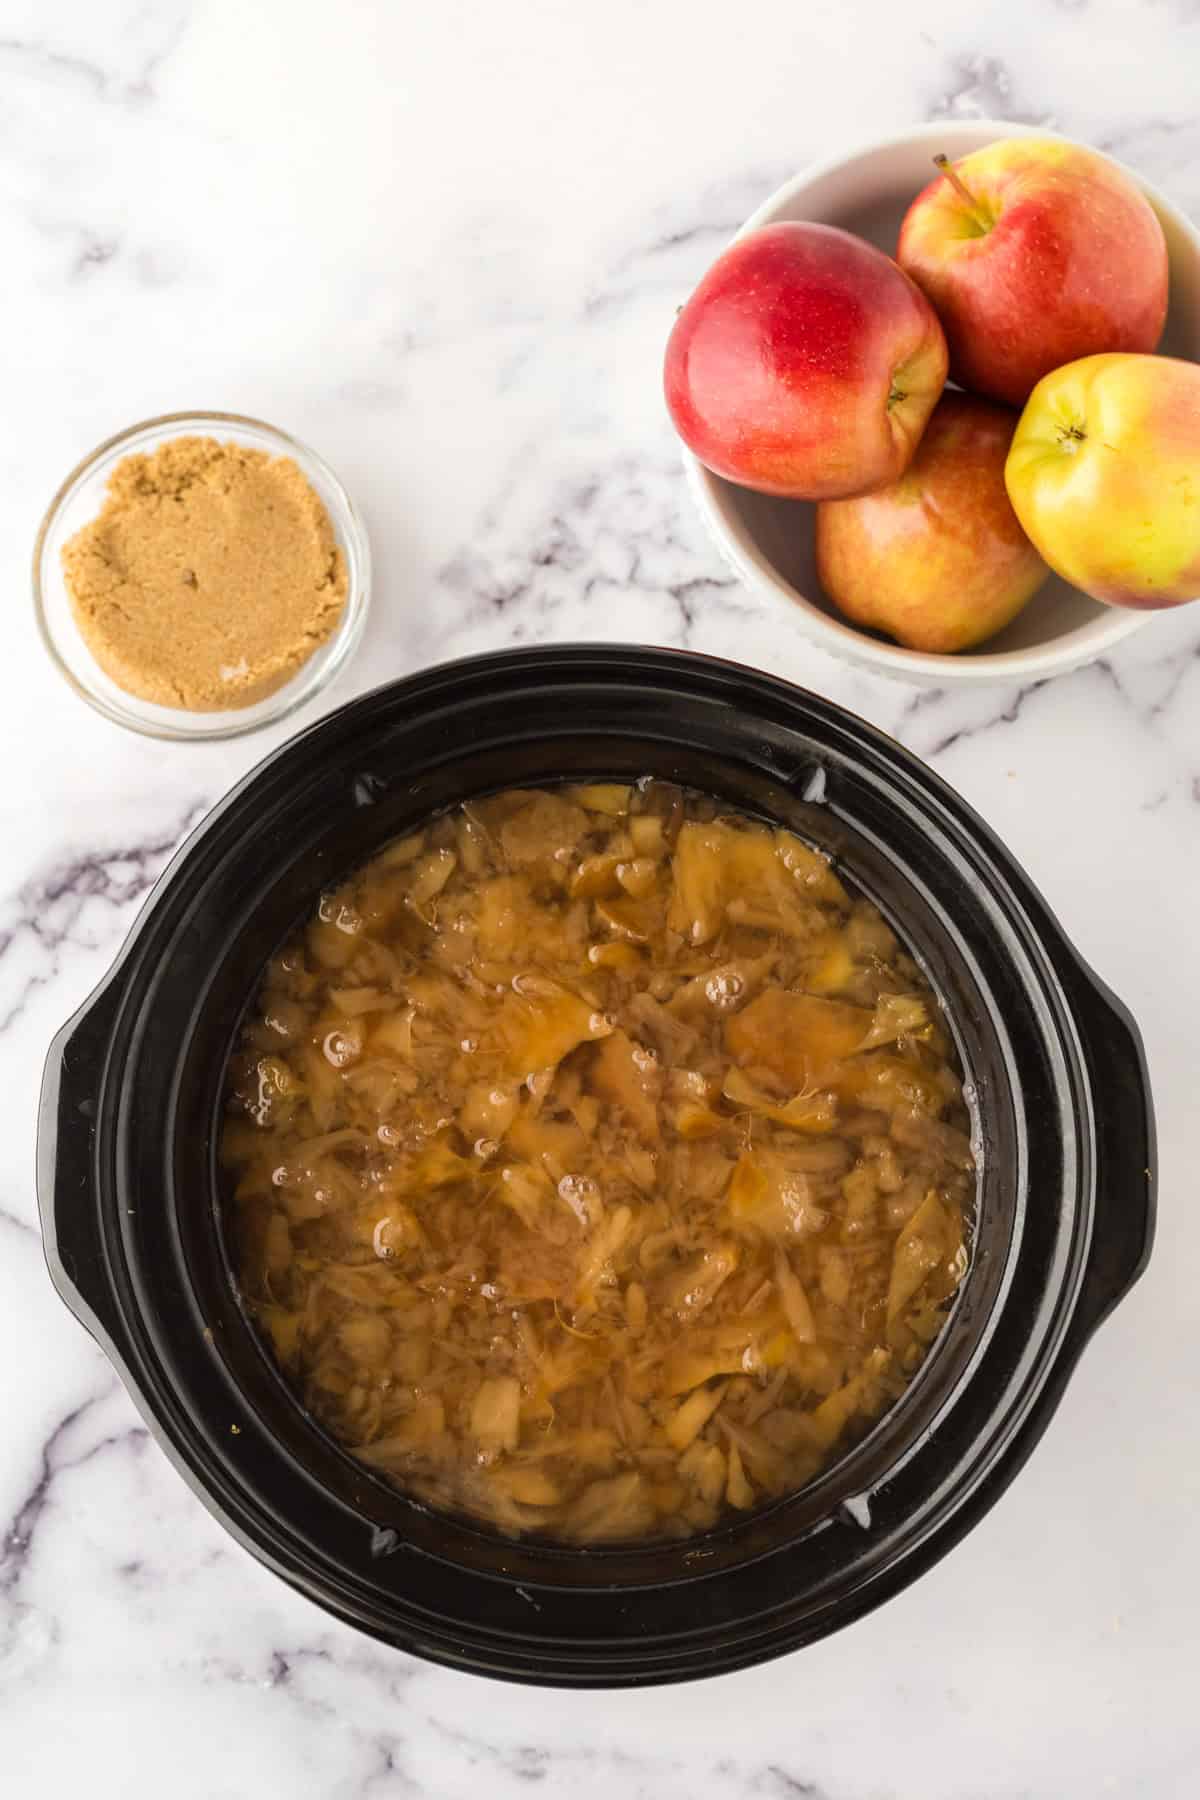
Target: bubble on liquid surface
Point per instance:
(724, 989)
(339, 1049)
(580, 1194)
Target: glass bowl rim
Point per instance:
(308, 680)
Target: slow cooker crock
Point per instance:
(130, 1195)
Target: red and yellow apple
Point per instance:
(805, 364)
(936, 560)
(1035, 253)
(1104, 475)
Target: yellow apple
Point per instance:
(1104, 474)
(937, 558)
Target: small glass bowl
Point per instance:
(80, 498)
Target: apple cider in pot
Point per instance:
(598, 1164)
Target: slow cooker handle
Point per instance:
(68, 1203)
(1126, 1155)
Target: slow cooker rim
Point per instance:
(926, 782)
(1033, 948)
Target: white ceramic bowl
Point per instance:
(769, 542)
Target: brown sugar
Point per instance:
(209, 576)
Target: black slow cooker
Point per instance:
(131, 1206)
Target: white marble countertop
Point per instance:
(443, 243)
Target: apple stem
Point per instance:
(963, 191)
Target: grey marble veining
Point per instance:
(444, 245)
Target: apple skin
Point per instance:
(937, 560)
(1104, 475)
(1074, 265)
(805, 364)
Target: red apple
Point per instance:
(805, 364)
(1035, 253)
(937, 560)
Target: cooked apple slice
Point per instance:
(802, 1038)
(631, 1078)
